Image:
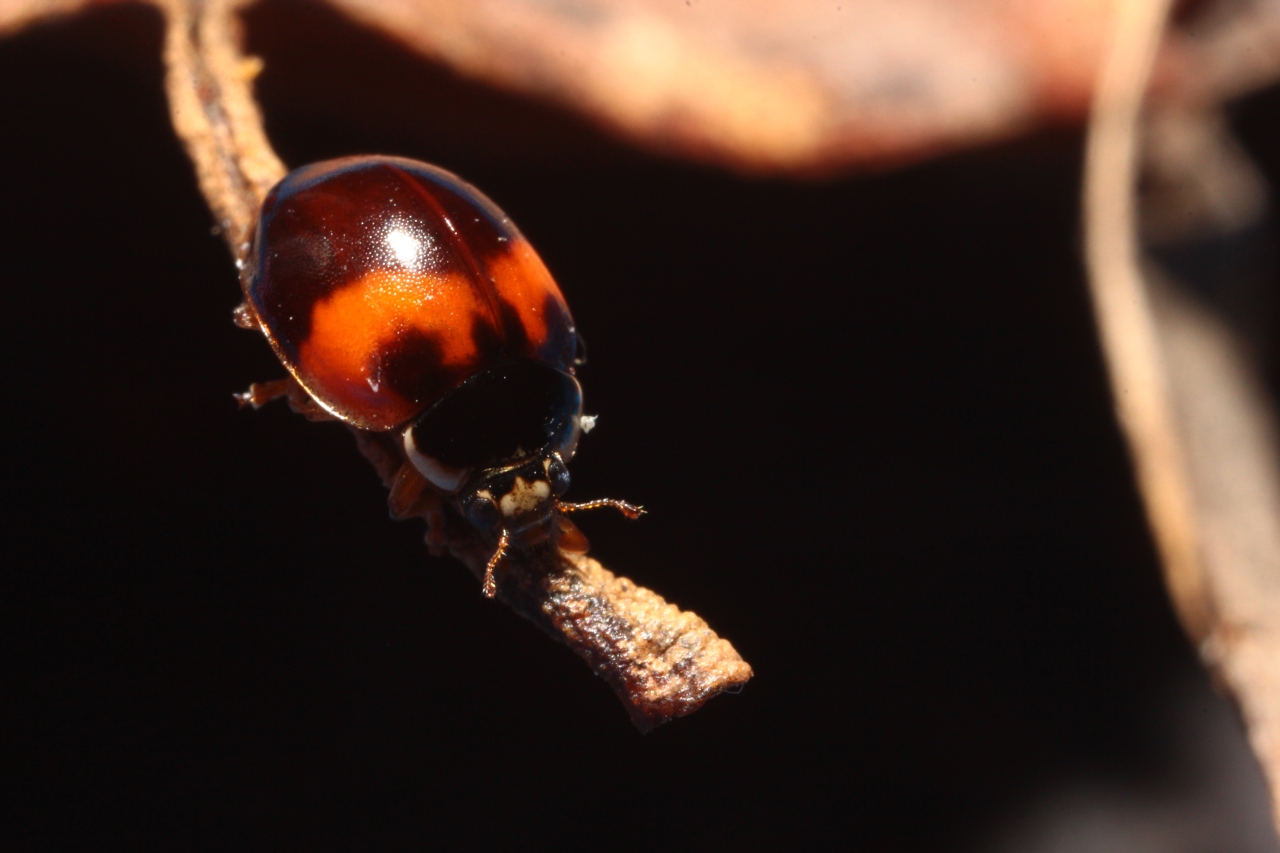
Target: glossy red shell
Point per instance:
(383, 283)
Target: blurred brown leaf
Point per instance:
(763, 85)
(807, 87)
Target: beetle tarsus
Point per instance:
(406, 488)
(629, 510)
(244, 317)
(489, 587)
(261, 393)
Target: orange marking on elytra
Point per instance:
(352, 328)
(523, 280)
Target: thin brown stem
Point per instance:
(209, 84)
(1138, 379)
(488, 586)
(1201, 436)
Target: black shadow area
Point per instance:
(868, 417)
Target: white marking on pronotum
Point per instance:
(587, 422)
(448, 479)
(524, 497)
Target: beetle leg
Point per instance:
(412, 497)
(261, 393)
(572, 540)
(244, 317)
(437, 533)
(629, 510)
(489, 588)
(405, 490)
(302, 403)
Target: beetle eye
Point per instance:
(557, 475)
(480, 510)
(441, 476)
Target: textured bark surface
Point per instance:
(209, 85)
(662, 662)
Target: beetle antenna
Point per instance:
(489, 588)
(629, 510)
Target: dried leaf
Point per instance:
(813, 87)
(1229, 429)
(768, 86)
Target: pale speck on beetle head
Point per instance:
(524, 497)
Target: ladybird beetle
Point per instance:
(401, 299)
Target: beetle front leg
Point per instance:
(261, 393)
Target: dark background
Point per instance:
(869, 418)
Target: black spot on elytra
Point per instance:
(317, 233)
(513, 330)
(510, 339)
(414, 368)
(322, 228)
(487, 340)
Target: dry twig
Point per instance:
(662, 662)
(214, 114)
